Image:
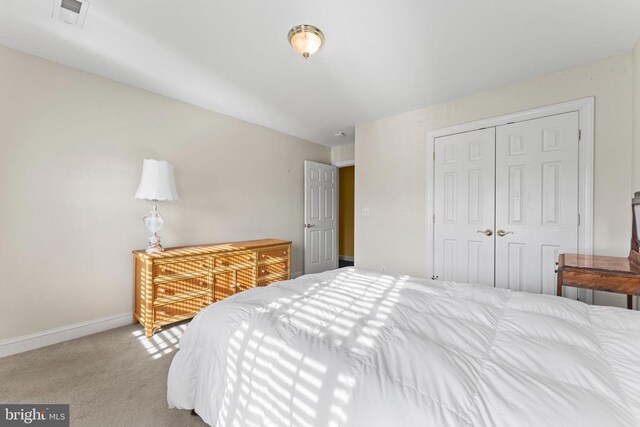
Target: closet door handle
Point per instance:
(488, 232)
(503, 233)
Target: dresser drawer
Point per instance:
(186, 308)
(178, 287)
(245, 279)
(224, 285)
(228, 283)
(273, 280)
(234, 260)
(180, 267)
(280, 268)
(269, 254)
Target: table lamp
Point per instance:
(156, 184)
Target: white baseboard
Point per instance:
(346, 258)
(296, 274)
(64, 333)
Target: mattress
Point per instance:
(353, 347)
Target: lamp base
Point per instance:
(154, 223)
(154, 244)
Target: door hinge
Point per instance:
(434, 155)
(578, 220)
(434, 218)
(579, 135)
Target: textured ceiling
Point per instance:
(381, 57)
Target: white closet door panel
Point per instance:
(536, 200)
(464, 183)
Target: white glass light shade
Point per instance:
(157, 181)
(306, 39)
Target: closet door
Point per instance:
(464, 188)
(536, 200)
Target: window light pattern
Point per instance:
(164, 341)
(271, 381)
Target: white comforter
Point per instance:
(357, 348)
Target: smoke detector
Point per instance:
(72, 12)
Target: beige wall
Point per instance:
(71, 150)
(343, 153)
(391, 162)
(636, 117)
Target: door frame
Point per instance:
(586, 121)
(344, 163)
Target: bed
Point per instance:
(353, 347)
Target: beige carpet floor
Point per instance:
(114, 378)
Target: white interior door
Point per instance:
(536, 200)
(464, 207)
(320, 217)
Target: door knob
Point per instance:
(487, 232)
(503, 233)
(309, 225)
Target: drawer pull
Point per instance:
(284, 253)
(262, 271)
(163, 269)
(162, 290)
(201, 282)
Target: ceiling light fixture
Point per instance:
(306, 39)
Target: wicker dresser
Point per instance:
(175, 284)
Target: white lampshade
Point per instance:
(157, 181)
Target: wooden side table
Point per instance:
(600, 273)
